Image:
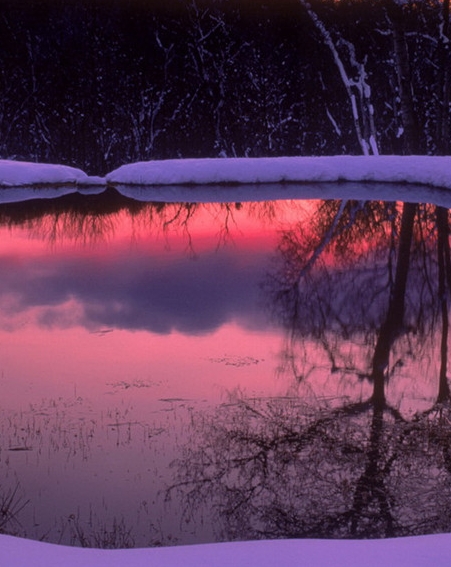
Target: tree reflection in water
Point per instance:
(278, 469)
(361, 290)
(360, 293)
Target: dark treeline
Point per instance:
(99, 83)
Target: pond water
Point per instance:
(182, 372)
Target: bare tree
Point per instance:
(444, 81)
(357, 88)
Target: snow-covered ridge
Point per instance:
(428, 170)
(433, 171)
(22, 173)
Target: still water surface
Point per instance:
(175, 373)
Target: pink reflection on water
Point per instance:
(99, 379)
(112, 339)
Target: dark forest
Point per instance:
(96, 84)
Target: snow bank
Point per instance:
(425, 170)
(404, 552)
(432, 171)
(22, 173)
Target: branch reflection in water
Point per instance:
(299, 346)
(360, 291)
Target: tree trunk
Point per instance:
(444, 83)
(443, 250)
(371, 491)
(361, 88)
(404, 76)
(395, 313)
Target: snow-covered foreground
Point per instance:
(404, 552)
(428, 170)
